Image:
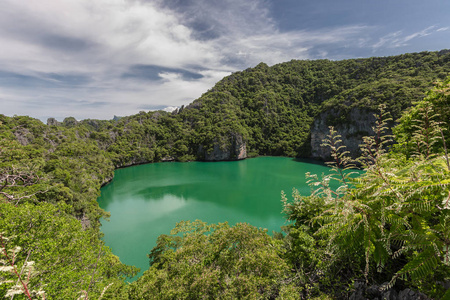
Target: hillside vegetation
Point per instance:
(389, 226)
(269, 110)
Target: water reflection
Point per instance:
(148, 200)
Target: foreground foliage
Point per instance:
(200, 261)
(55, 257)
(393, 226)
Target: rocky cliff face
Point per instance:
(52, 122)
(23, 136)
(354, 126)
(364, 292)
(235, 149)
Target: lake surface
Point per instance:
(146, 201)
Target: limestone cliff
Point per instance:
(352, 126)
(23, 136)
(234, 148)
(52, 122)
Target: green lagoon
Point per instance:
(146, 201)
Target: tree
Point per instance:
(201, 261)
(68, 261)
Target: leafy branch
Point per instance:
(10, 266)
(15, 184)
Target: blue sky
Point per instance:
(97, 59)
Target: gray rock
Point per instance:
(389, 295)
(359, 123)
(408, 294)
(362, 292)
(234, 148)
(23, 136)
(52, 122)
(168, 159)
(359, 292)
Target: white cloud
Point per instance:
(277, 47)
(108, 32)
(99, 41)
(388, 40)
(170, 108)
(422, 33)
(399, 39)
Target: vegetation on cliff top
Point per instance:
(269, 109)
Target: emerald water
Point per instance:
(146, 201)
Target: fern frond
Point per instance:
(420, 266)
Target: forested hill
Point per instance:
(270, 110)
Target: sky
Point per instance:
(97, 59)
